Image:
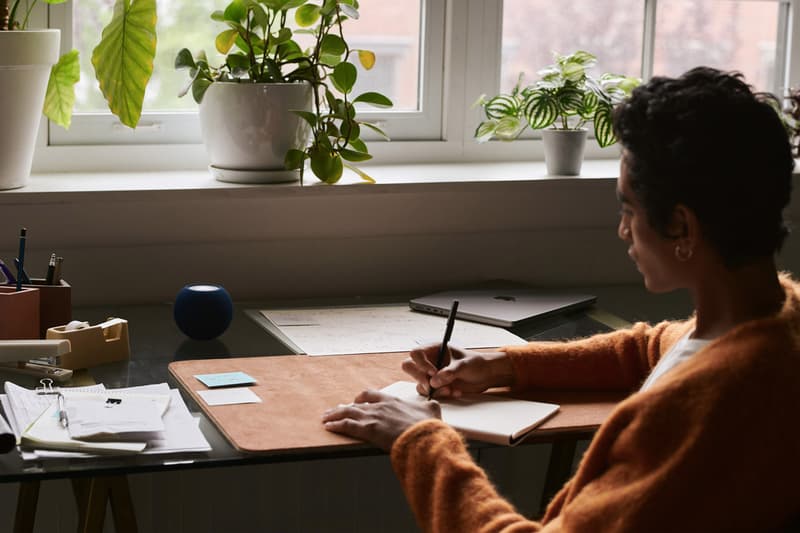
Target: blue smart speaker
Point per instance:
(203, 311)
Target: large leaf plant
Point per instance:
(565, 97)
(260, 45)
(122, 60)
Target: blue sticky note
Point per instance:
(225, 379)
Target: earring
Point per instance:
(683, 254)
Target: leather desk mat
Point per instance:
(296, 389)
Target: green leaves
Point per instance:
(60, 96)
(259, 45)
(540, 109)
(307, 15)
(565, 95)
(123, 60)
(344, 77)
(603, 126)
(374, 99)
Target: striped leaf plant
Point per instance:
(122, 60)
(566, 97)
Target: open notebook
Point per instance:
(484, 417)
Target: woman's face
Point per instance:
(653, 254)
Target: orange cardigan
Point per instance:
(714, 445)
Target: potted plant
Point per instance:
(269, 85)
(32, 77)
(560, 104)
(790, 115)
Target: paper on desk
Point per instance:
(181, 430)
(115, 416)
(381, 328)
(47, 433)
(228, 396)
(25, 405)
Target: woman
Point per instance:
(708, 439)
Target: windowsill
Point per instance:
(388, 177)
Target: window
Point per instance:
(395, 31)
(435, 57)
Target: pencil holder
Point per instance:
(19, 313)
(55, 304)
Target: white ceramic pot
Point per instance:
(563, 151)
(25, 61)
(247, 129)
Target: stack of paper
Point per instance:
(148, 419)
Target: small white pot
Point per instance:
(247, 129)
(25, 61)
(563, 151)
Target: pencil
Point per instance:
(448, 331)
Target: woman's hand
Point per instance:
(464, 371)
(378, 418)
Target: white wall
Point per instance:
(142, 246)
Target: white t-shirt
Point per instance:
(680, 352)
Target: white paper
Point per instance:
(383, 328)
(124, 416)
(228, 396)
(487, 417)
(181, 429)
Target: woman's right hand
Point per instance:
(464, 371)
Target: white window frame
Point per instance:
(184, 127)
(462, 46)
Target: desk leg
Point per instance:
(27, 499)
(559, 469)
(122, 506)
(92, 496)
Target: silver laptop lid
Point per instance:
(501, 307)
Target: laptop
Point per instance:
(502, 307)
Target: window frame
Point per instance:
(460, 60)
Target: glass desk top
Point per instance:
(156, 341)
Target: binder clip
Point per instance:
(46, 387)
(93, 345)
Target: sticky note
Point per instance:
(228, 396)
(225, 379)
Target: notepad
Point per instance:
(484, 417)
(47, 433)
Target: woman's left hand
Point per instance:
(378, 418)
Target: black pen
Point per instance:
(21, 258)
(51, 270)
(448, 331)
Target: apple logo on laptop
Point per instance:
(505, 298)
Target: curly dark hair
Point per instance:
(708, 141)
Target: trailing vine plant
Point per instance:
(260, 46)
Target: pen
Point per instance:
(22, 274)
(57, 271)
(448, 331)
(7, 273)
(51, 270)
(21, 257)
(62, 412)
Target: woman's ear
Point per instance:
(684, 224)
(685, 229)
